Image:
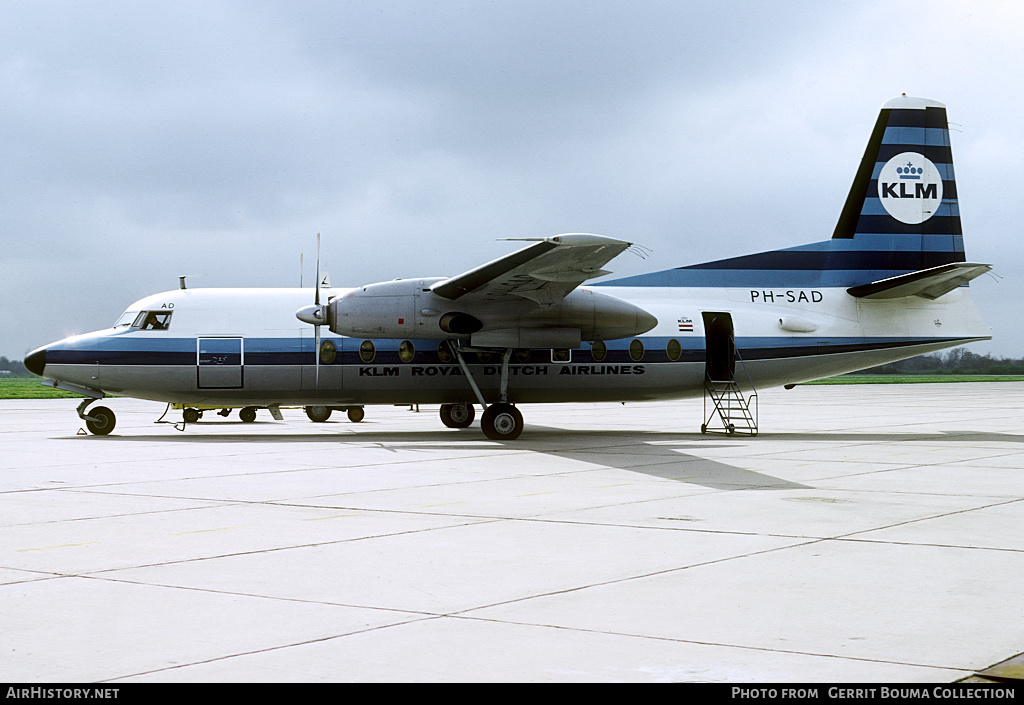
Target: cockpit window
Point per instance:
(126, 319)
(145, 320)
(153, 320)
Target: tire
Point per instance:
(502, 422)
(248, 414)
(102, 421)
(190, 415)
(355, 414)
(457, 415)
(318, 414)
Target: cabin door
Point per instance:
(220, 363)
(719, 345)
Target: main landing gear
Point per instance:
(501, 421)
(457, 415)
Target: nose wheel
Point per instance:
(100, 421)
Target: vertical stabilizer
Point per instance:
(901, 212)
(900, 216)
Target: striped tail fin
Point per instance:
(901, 213)
(901, 217)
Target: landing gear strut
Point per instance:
(501, 421)
(100, 421)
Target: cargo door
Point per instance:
(220, 362)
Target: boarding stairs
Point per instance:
(737, 411)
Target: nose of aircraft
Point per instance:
(35, 361)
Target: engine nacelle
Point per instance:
(383, 310)
(409, 309)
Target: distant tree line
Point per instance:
(957, 361)
(14, 367)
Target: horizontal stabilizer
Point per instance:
(928, 283)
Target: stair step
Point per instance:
(731, 405)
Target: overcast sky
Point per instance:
(141, 141)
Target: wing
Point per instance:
(544, 272)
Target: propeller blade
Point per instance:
(320, 313)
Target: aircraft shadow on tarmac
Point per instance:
(656, 454)
(652, 453)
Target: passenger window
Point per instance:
(636, 350)
(598, 350)
(674, 350)
(367, 351)
(328, 352)
(406, 351)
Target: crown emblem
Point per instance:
(909, 171)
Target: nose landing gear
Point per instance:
(100, 421)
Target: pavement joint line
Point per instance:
(795, 652)
(256, 596)
(644, 576)
(269, 549)
(268, 649)
(931, 517)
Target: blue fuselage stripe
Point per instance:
(287, 352)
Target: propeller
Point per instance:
(316, 315)
(320, 314)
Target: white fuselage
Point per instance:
(239, 347)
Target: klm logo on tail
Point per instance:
(910, 188)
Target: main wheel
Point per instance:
(190, 415)
(318, 414)
(502, 422)
(457, 415)
(355, 414)
(101, 421)
(248, 414)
